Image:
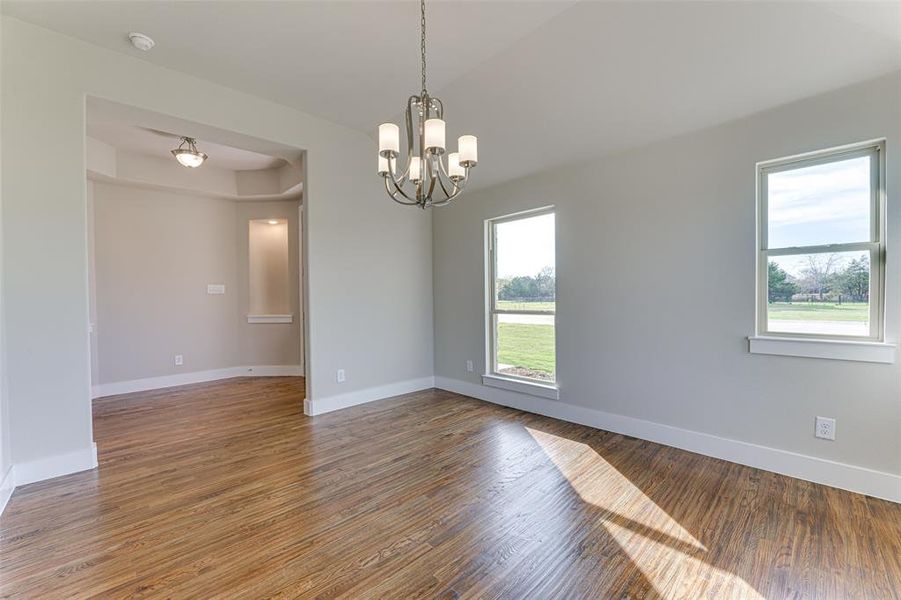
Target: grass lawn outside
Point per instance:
(818, 311)
(531, 346)
(527, 346)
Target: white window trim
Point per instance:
(524, 386)
(870, 348)
(875, 352)
(545, 389)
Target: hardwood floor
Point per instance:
(227, 490)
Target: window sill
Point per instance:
(875, 352)
(270, 318)
(542, 390)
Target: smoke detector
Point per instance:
(141, 41)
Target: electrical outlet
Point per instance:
(469, 366)
(340, 376)
(825, 428)
(179, 360)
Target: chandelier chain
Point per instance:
(422, 39)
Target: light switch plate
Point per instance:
(215, 288)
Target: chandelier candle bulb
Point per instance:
(468, 145)
(383, 165)
(415, 166)
(434, 136)
(454, 169)
(389, 138)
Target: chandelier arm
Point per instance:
(448, 200)
(442, 177)
(444, 188)
(457, 185)
(400, 190)
(433, 175)
(423, 163)
(398, 186)
(399, 182)
(394, 194)
(457, 190)
(411, 102)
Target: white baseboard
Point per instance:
(321, 406)
(810, 468)
(273, 371)
(155, 383)
(55, 466)
(46, 468)
(7, 485)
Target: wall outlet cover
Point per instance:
(179, 360)
(469, 367)
(215, 288)
(340, 376)
(825, 428)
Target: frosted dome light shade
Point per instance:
(389, 138)
(434, 135)
(468, 145)
(454, 169)
(190, 159)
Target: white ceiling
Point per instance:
(540, 83)
(157, 143)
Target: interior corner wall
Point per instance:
(656, 286)
(5, 453)
(155, 253)
(369, 267)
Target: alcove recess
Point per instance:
(269, 280)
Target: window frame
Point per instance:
(491, 310)
(875, 149)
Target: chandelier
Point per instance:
(187, 153)
(428, 179)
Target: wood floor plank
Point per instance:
(226, 490)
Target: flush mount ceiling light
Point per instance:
(141, 41)
(427, 180)
(188, 154)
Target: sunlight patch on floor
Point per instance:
(669, 568)
(659, 546)
(599, 483)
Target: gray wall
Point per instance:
(356, 240)
(656, 284)
(5, 453)
(155, 253)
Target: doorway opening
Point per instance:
(196, 273)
